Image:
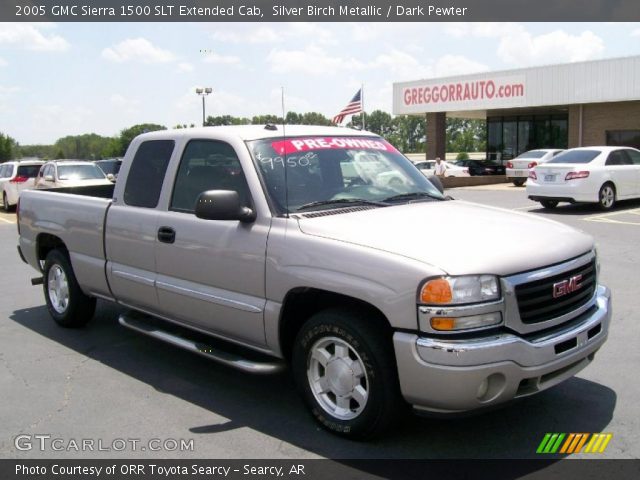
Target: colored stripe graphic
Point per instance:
(552, 442)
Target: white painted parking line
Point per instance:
(607, 217)
(7, 221)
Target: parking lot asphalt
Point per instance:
(105, 382)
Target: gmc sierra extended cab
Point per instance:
(326, 250)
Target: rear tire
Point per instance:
(66, 303)
(549, 204)
(607, 196)
(5, 203)
(344, 366)
(519, 183)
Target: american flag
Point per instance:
(354, 106)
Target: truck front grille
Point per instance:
(536, 302)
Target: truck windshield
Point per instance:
(79, 172)
(331, 172)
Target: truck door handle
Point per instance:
(166, 235)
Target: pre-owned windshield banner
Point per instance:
(318, 10)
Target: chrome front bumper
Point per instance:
(445, 375)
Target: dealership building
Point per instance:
(556, 106)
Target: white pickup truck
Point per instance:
(266, 246)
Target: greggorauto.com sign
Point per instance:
(450, 94)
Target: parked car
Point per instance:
(427, 167)
(298, 260)
(518, 169)
(110, 166)
(600, 175)
(485, 167)
(70, 173)
(16, 176)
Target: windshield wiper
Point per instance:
(411, 196)
(340, 201)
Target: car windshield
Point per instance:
(326, 172)
(575, 156)
(79, 172)
(29, 171)
(531, 154)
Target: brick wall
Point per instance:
(597, 118)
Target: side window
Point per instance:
(4, 171)
(144, 181)
(634, 156)
(207, 165)
(48, 170)
(616, 157)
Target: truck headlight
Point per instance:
(460, 290)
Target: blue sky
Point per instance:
(73, 78)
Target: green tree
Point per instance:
(8, 147)
(128, 134)
(465, 135)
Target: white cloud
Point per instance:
(32, 37)
(521, 48)
(401, 65)
(3, 62)
(137, 49)
(125, 104)
(185, 67)
(312, 60)
(252, 33)
(448, 65)
(216, 58)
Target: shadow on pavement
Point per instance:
(270, 405)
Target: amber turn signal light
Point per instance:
(437, 291)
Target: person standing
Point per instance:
(440, 168)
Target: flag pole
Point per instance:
(362, 100)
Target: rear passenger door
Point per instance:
(210, 273)
(635, 160)
(621, 170)
(131, 228)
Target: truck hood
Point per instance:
(455, 236)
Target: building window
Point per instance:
(624, 138)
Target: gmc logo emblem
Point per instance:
(567, 286)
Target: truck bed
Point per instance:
(76, 216)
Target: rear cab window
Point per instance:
(147, 172)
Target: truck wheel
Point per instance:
(549, 203)
(607, 196)
(5, 203)
(66, 303)
(345, 368)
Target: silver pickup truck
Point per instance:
(323, 249)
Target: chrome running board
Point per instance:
(136, 322)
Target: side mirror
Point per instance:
(111, 177)
(49, 178)
(223, 205)
(436, 183)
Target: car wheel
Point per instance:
(66, 302)
(607, 196)
(549, 203)
(344, 366)
(519, 183)
(5, 203)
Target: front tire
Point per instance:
(344, 366)
(66, 303)
(607, 196)
(549, 204)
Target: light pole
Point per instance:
(203, 92)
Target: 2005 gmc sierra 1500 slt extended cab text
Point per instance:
(321, 248)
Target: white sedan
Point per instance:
(518, 169)
(600, 175)
(428, 168)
